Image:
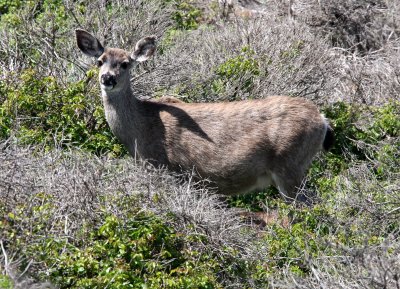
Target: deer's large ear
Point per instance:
(144, 49)
(89, 44)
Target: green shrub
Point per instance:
(232, 79)
(255, 201)
(186, 16)
(240, 70)
(380, 123)
(40, 110)
(142, 252)
(5, 282)
(8, 6)
(137, 249)
(31, 24)
(361, 134)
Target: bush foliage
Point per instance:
(40, 110)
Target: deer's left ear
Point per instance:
(89, 44)
(144, 49)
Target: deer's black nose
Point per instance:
(108, 79)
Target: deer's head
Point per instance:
(114, 63)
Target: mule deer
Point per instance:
(239, 146)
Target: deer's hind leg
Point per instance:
(288, 183)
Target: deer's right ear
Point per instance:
(89, 44)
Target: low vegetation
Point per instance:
(77, 212)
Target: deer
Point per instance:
(239, 146)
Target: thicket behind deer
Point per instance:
(239, 146)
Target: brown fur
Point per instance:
(240, 146)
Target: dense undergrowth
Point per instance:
(77, 212)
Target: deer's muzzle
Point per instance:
(108, 80)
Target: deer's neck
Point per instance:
(124, 116)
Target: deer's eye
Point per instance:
(124, 65)
(99, 63)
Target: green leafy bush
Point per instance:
(5, 282)
(256, 202)
(186, 16)
(141, 252)
(52, 18)
(7, 6)
(365, 132)
(239, 70)
(361, 134)
(41, 110)
(379, 123)
(232, 79)
(135, 249)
